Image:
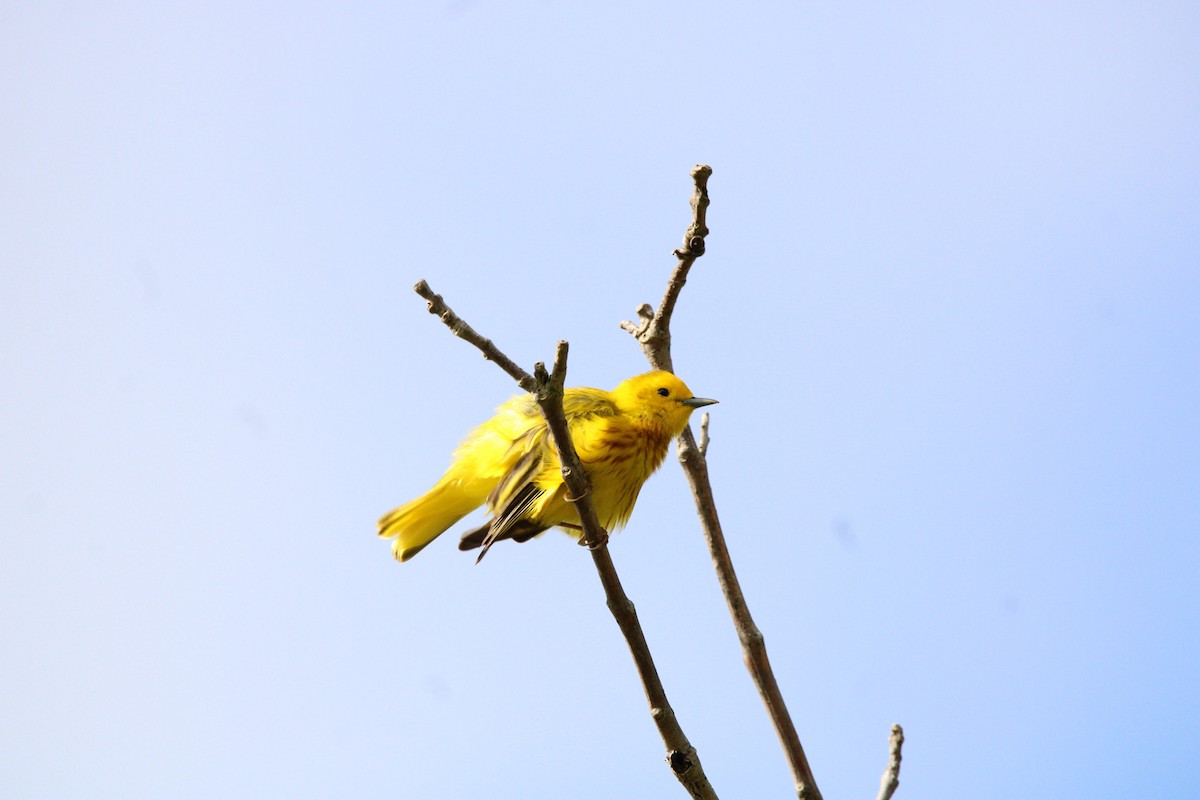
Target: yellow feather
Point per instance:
(509, 464)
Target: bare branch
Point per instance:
(891, 775)
(702, 442)
(464, 331)
(655, 338)
(547, 389)
(654, 331)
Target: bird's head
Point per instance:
(661, 396)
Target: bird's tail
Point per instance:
(417, 523)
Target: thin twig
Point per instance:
(655, 338)
(891, 775)
(547, 389)
(702, 442)
(654, 330)
(464, 331)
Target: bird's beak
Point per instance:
(697, 402)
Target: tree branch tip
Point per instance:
(891, 774)
(435, 300)
(559, 374)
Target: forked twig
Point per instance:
(547, 389)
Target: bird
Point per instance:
(510, 465)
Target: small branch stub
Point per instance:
(645, 313)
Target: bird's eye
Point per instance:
(664, 392)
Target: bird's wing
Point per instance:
(580, 404)
(532, 453)
(586, 411)
(525, 455)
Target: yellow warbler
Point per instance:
(509, 463)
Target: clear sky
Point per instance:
(949, 308)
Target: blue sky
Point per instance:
(948, 307)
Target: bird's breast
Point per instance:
(634, 446)
(618, 455)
